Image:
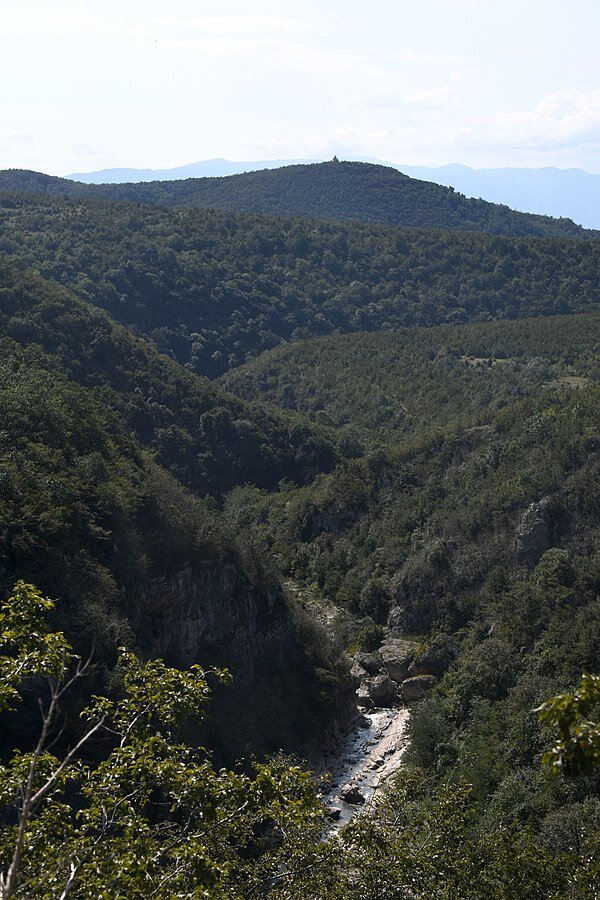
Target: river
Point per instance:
(364, 758)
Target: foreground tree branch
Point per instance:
(152, 817)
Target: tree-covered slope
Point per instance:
(389, 386)
(208, 439)
(432, 517)
(213, 288)
(432, 530)
(488, 538)
(472, 520)
(81, 502)
(336, 190)
(137, 560)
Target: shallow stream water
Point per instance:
(364, 758)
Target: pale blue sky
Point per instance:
(88, 85)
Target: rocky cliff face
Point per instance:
(214, 615)
(282, 695)
(532, 537)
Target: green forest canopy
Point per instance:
(213, 289)
(334, 191)
(458, 431)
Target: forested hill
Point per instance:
(214, 288)
(208, 439)
(434, 487)
(389, 386)
(335, 190)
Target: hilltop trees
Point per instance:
(212, 289)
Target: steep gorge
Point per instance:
(288, 691)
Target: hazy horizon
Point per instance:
(350, 158)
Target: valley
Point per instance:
(336, 431)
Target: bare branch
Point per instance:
(52, 779)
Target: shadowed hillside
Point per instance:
(207, 438)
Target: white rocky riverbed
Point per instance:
(363, 759)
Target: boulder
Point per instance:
(333, 813)
(358, 672)
(383, 691)
(415, 688)
(532, 537)
(353, 796)
(370, 662)
(363, 697)
(397, 656)
(437, 657)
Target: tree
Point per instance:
(144, 814)
(576, 750)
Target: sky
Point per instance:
(140, 83)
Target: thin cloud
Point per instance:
(559, 118)
(14, 138)
(90, 149)
(139, 26)
(435, 97)
(427, 57)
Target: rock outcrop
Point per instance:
(397, 656)
(399, 673)
(335, 517)
(215, 615)
(415, 688)
(383, 691)
(396, 619)
(369, 662)
(363, 696)
(532, 537)
(437, 657)
(377, 691)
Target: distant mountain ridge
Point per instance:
(208, 168)
(548, 191)
(338, 191)
(570, 193)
